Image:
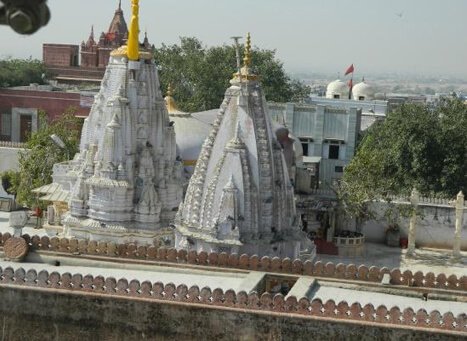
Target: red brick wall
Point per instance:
(88, 58)
(104, 55)
(60, 54)
(77, 72)
(54, 103)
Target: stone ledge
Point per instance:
(218, 299)
(246, 262)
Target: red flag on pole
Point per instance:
(349, 70)
(350, 83)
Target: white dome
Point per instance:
(337, 89)
(363, 92)
(190, 132)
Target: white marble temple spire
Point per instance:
(126, 180)
(239, 198)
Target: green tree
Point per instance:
(15, 72)
(41, 153)
(415, 147)
(200, 75)
(8, 179)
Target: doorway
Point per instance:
(25, 127)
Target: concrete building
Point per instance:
(396, 100)
(328, 128)
(19, 108)
(328, 136)
(240, 198)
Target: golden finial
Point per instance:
(133, 41)
(131, 50)
(247, 57)
(244, 73)
(170, 101)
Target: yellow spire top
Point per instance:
(169, 90)
(245, 74)
(170, 101)
(133, 40)
(247, 57)
(131, 50)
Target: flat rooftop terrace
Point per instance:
(298, 285)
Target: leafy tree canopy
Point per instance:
(16, 72)
(200, 75)
(36, 162)
(415, 147)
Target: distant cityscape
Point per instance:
(392, 82)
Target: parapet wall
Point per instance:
(245, 262)
(9, 155)
(435, 223)
(426, 201)
(49, 314)
(251, 303)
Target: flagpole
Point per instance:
(351, 70)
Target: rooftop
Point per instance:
(261, 280)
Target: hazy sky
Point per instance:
(397, 36)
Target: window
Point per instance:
(305, 142)
(334, 152)
(313, 182)
(5, 126)
(361, 98)
(336, 96)
(339, 169)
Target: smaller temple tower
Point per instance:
(96, 53)
(240, 198)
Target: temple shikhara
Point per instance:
(240, 197)
(125, 183)
(96, 53)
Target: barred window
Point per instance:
(5, 124)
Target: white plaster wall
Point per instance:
(9, 159)
(435, 228)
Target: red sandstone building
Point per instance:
(19, 109)
(61, 60)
